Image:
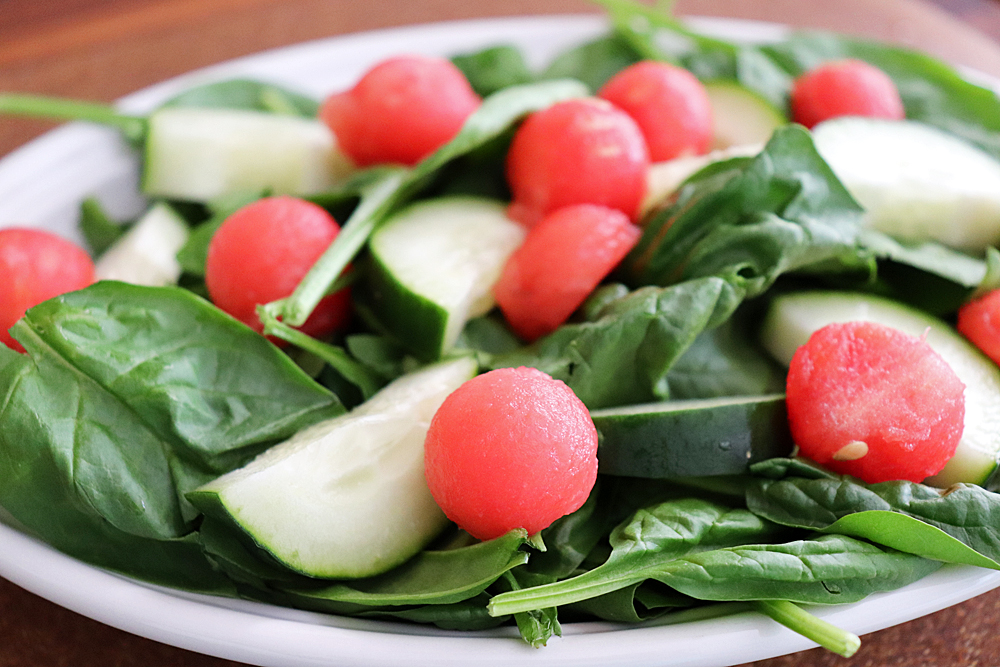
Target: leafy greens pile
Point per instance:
(130, 397)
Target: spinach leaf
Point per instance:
(494, 69)
(830, 569)
(655, 35)
(644, 546)
(246, 94)
(489, 335)
(750, 220)
(593, 63)
(930, 276)
(468, 615)
(571, 538)
(932, 91)
(634, 603)
(130, 396)
(960, 525)
(337, 358)
(234, 553)
(430, 577)
(99, 231)
(537, 626)
(724, 361)
(624, 355)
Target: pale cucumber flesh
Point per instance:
(147, 253)
(740, 115)
(199, 154)
(663, 178)
(435, 264)
(916, 182)
(793, 318)
(345, 498)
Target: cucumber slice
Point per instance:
(433, 268)
(691, 438)
(792, 318)
(916, 182)
(147, 253)
(347, 497)
(740, 115)
(199, 154)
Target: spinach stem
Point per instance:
(336, 357)
(825, 634)
(375, 205)
(38, 106)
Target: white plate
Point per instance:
(42, 185)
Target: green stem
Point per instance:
(337, 357)
(825, 634)
(37, 106)
(375, 204)
(585, 586)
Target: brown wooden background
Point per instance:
(103, 49)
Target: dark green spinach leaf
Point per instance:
(246, 94)
(593, 63)
(430, 577)
(960, 525)
(624, 355)
(643, 547)
(751, 220)
(494, 69)
(129, 397)
(99, 231)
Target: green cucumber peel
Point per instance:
(430, 577)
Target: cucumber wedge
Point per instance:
(916, 182)
(433, 267)
(345, 498)
(792, 318)
(199, 154)
(147, 253)
(692, 438)
(741, 116)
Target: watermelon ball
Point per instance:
(582, 151)
(513, 448)
(670, 105)
(401, 110)
(262, 252)
(870, 401)
(845, 88)
(979, 321)
(563, 258)
(35, 266)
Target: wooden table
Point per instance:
(102, 49)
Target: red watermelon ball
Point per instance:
(512, 448)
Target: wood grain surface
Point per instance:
(103, 49)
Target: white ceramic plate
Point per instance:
(42, 185)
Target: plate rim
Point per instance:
(41, 569)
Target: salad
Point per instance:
(153, 406)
